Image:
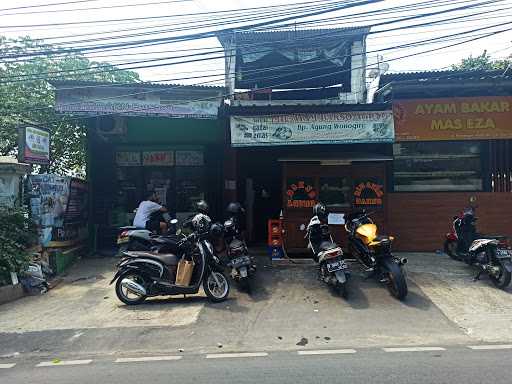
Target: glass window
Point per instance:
(437, 166)
(335, 191)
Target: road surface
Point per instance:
(438, 365)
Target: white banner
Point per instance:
(313, 128)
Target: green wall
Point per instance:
(151, 130)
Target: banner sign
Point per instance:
(312, 128)
(158, 158)
(59, 206)
(119, 103)
(34, 145)
(368, 193)
(457, 118)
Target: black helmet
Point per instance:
(235, 208)
(202, 207)
(320, 210)
(217, 230)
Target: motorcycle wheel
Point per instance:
(450, 248)
(123, 294)
(503, 279)
(396, 283)
(216, 286)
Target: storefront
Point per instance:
(147, 137)
(291, 157)
(453, 136)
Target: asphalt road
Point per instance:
(453, 365)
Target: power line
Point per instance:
(130, 19)
(49, 4)
(201, 34)
(278, 85)
(298, 81)
(95, 8)
(209, 58)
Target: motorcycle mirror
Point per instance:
(302, 227)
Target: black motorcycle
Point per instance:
(332, 268)
(373, 251)
(489, 254)
(146, 274)
(238, 259)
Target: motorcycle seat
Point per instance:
(165, 258)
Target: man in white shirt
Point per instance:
(149, 214)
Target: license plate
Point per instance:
(244, 260)
(123, 240)
(334, 266)
(504, 253)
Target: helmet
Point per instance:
(235, 208)
(320, 210)
(202, 207)
(217, 230)
(201, 223)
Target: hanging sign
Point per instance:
(300, 193)
(368, 193)
(158, 158)
(312, 128)
(128, 158)
(34, 145)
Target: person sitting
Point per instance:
(150, 214)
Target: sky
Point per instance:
(494, 16)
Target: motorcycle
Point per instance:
(373, 251)
(489, 254)
(131, 238)
(332, 268)
(239, 260)
(143, 274)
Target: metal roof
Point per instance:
(290, 34)
(435, 76)
(98, 84)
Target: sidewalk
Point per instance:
(481, 310)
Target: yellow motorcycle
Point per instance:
(373, 251)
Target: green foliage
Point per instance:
(481, 62)
(27, 97)
(17, 232)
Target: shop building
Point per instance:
(301, 130)
(453, 141)
(141, 137)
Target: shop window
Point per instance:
(437, 166)
(189, 187)
(335, 192)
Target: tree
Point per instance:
(482, 62)
(27, 97)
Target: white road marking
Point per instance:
(490, 347)
(63, 362)
(7, 366)
(414, 349)
(327, 352)
(148, 358)
(235, 355)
